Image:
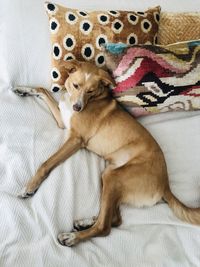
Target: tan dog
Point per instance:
(136, 173)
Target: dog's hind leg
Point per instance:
(102, 227)
(83, 224)
(117, 219)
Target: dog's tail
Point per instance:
(190, 215)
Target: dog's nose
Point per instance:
(77, 107)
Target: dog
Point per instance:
(136, 171)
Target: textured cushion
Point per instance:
(178, 27)
(78, 34)
(152, 79)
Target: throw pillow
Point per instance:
(178, 27)
(151, 79)
(79, 34)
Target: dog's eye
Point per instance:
(89, 92)
(76, 85)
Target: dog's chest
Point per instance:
(65, 110)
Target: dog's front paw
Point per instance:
(67, 239)
(20, 91)
(26, 91)
(25, 193)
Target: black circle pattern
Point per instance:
(133, 18)
(54, 74)
(51, 7)
(117, 25)
(71, 17)
(113, 12)
(88, 52)
(86, 26)
(146, 25)
(54, 25)
(140, 13)
(103, 18)
(56, 51)
(55, 89)
(101, 41)
(132, 40)
(69, 42)
(100, 59)
(69, 58)
(83, 13)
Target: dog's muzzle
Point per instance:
(77, 107)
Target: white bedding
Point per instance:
(29, 228)
(151, 237)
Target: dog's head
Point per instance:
(85, 83)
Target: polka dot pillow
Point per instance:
(78, 34)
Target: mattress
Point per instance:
(148, 237)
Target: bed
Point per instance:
(29, 135)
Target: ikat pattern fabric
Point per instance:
(152, 79)
(78, 34)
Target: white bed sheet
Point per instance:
(29, 228)
(151, 237)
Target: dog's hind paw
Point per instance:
(80, 225)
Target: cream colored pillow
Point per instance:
(178, 27)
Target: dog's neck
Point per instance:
(100, 103)
(105, 94)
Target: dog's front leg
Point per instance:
(72, 145)
(46, 97)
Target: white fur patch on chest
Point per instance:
(87, 76)
(66, 110)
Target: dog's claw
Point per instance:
(24, 194)
(20, 93)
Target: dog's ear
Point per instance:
(71, 65)
(105, 78)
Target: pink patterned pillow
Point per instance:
(152, 79)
